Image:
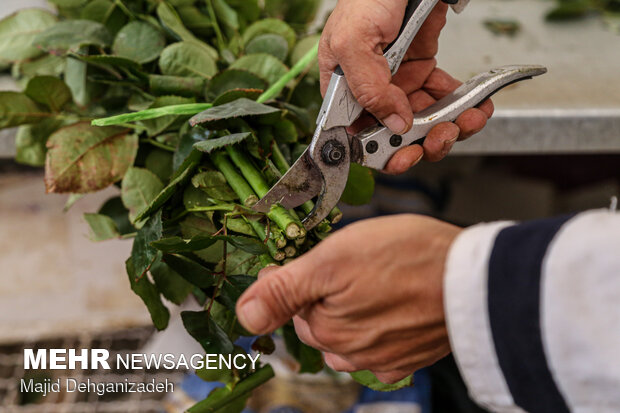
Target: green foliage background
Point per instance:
(247, 77)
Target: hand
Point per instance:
(370, 296)
(354, 38)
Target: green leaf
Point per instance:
(170, 284)
(161, 124)
(114, 61)
(175, 245)
(48, 65)
(249, 245)
(218, 143)
(297, 12)
(196, 21)
(234, 79)
(185, 59)
(242, 262)
(70, 4)
(263, 65)
(232, 288)
(70, 35)
(176, 85)
(248, 10)
(76, 73)
(30, 141)
(226, 14)
(18, 109)
(186, 145)
(210, 336)
(274, 26)
(194, 226)
(216, 403)
(238, 108)
(143, 255)
(179, 177)
(115, 209)
(49, 91)
(269, 43)
(71, 200)
(301, 48)
(139, 188)
(241, 226)
(139, 41)
(105, 12)
(150, 296)
(360, 186)
(17, 32)
(171, 20)
(195, 198)
(369, 380)
(235, 94)
(214, 184)
(159, 162)
(83, 158)
(102, 227)
(309, 359)
(285, 131)
(193, 272)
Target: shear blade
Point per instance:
(299, 184)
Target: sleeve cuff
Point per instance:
(465, 300)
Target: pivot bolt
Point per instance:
(396, 140)
(333, 152)
(372, 147)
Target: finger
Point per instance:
(439, 84)
(368, 75)
(267, 270)
(412, 75)
(366, 120)
(392, 376)
(338, 363)
(420, 100)
(305, 333)
(471, 122)
(404, 159)
(276, 297)
(440, 140)
(327, 61)
(487, 107)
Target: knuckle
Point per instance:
(323, 334)
(279, 294)
(339, 43)
(369, 98)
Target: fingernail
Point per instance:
(395, 123)
(417, 160)
(447, 146)
(253, 315)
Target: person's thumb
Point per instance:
(277, 296)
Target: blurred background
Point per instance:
(553, 146)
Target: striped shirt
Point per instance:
(533, 313)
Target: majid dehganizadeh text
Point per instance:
(95, 359)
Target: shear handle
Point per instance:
(416, 14)
(375, 146)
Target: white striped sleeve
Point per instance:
(533, 313)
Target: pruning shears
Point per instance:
(321, 172)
